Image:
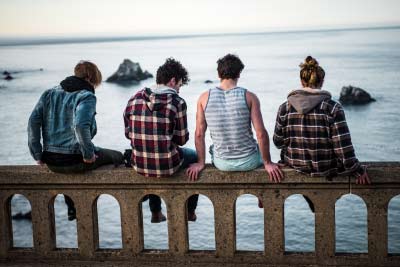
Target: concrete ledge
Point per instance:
(40, 187)
(380, 172)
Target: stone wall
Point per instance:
(40, 187)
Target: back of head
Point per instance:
(88, 71)
(311, 74)
(172, 69)
(229, 67)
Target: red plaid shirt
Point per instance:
(156, 124)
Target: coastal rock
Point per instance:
(8, 77)
(351, 95)
(208, 81)
(6, 73)
(129, 72)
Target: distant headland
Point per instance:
(19, 41)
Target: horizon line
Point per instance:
(54, 40)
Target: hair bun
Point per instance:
(309, 63)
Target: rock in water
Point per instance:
(8, 77)
(129, 72)
(354, 96)
(208, 81)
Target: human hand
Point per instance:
(193, 171)
(92, 160)
(363, 179)
(274, 172)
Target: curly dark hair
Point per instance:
(172, 69)
(229, 67)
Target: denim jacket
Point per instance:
(66, 122)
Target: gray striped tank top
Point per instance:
(228, 118)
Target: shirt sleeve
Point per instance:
(278, 137)
(127, 122)
(34, 129)
(84, 114)
(181, 133)
(342, 144)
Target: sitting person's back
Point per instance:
(311, 129)
(156, 125)
(229, 111)
(62, 125)
(229, 120)
(60, 122)
(159, 127)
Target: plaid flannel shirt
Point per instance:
(156, 124)
(317, 143)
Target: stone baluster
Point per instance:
(131, 221)
(225, 222)
(88, 236)
(177, 223)
(43, 222)
(377, 205)
(274, 243)
(5, 226)
(325, 226)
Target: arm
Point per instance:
(343, 147)
(201, 127)
(181, 133)
(278, 137)
(34, 130)
(127, 114)
(83, 117)
(275, 174)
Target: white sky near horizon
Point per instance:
(40, 18)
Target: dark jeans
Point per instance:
(189, 157)
(104, 157)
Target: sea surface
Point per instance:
(369, 59)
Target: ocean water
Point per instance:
(369, 59)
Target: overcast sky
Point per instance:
(21, 18)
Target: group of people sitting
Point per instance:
(310, 129)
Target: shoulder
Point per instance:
(86, 97)
(138, 94)
(49, 91)
(178, 99)
(250, 95)
(177, 103)
(203, 99)
(251, 99)
(331, 106)
(283, 108)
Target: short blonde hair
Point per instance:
(88, 71)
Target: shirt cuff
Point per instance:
(360, 171)
(37, 156)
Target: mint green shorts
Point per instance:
(248, 163)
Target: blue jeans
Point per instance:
(248, 163)
(189, 157)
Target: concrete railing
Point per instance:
(40, 187)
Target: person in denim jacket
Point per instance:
(65, 119)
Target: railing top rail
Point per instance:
(380, 172)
